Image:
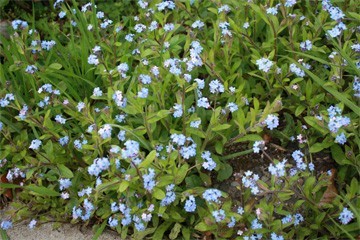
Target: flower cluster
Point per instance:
(264, 64)
(85, 212)
(169, 196)
(64, 183)
(224, 26)
(212, 195)
(5, 224)
(297, 218)
(216, 87)
(297, 155)
(16, 24)
(149, 181)
(298, 71)
(249, 181)
(23, 111)
(186, 145)
(278, 169)
(105, 131)
(195, 58)
(258, 145)
(99, 165)
(190, 204)
(336, 122)
(14, 174)
(219, 215)
(272, 121)
(208, 163)
(306, 45)
(5, 101)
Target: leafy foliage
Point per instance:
(123, 120)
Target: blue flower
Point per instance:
(99, 165)
(59, 118)
(255, 224)
(216, 87)
(195, 123)
(149, 182)
(35, 144)
(298, 219)
(356, 83)
(276, 237)
(240, 210)
(232, 222)
(145, 79)
(143, 93)
(190, 204)
(105, 131)
(341, 139)
(232, 107)
(287, 219)
(6, 224)
(279, 169)
(113, 222)
(64, 183)
(178, 112)
(169, 197)
(258, 145)
(32, 223)
(212, 195)
(208, 163)
(346, 216)
(219, 215)
(272, 121)
(264, 64)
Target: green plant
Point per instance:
(126, 123)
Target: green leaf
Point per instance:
(313, 122)
(308, 186)
(158, 193)
(42, 191)
(4, 235)
(354, 187)
(123, 186)
(203, 227)
(225, 172)
(9, 185)
(219, 147)
(250, 138)
(158, 116)
(65, 172)
(47, 121)
(56, 66)
(148, 160)
(220, 127)
(111, 185)
(259, 11)
(186, 233)
(299, 110)
(181, 174)
(175, 231)
(159, 233)
(99, 231)
(3, 3)
(317, 147)
(338, 155)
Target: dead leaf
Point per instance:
(331, 192)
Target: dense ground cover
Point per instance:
(147, 118)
